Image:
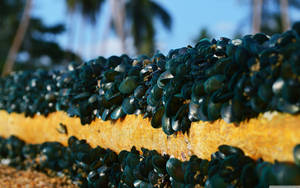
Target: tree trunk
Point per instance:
(284, 4)
(256, 15)
(104, 37)
(80, 48)
(118, 16)
(14, 49)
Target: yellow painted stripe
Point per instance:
(270, 136)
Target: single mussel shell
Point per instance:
(173, 88)
(181, 70)
(213, 110)
(291, 91)
(151, 101)
(216, 181)
(164, 79)
(117, 113)
(156, 92)
(287, 107)
(296, 153)
(177, 120)
(155, 75)
(265, 92)
(230, 150)
(72, 140)
(14, 146)
(198, 89)
(232, 111)
(110, 75)
(159, 164)
(50, 97)
(81, 96)
(221, 95)
(277, 86)
(264, 172)
(105, 114)
(296, 27)
(261, 37)
(185, 124)
(192, 173)
(249, 177)
(156, 121)
(93, 99)
(286, 173)
(103, 180)
(202, 112)
(147, 70)
(203, 42)
(128, 85)
(62, 129)
(139, 92)
(92, 177)
(132, 160)
(141, 184)
(230, 49)
(161, 64)
(233, 81)
(186, 91)
(175, 170)
(128, 176)
(115, 98)
(140, 173)
(172, 106)
(295, 63)
(129, 105)
(121, 68)
(213, 83)
(171, 65)
(167, 125)
(106, 86)
(122, 155)
(250, 45)
(219, 66)
(193, 111)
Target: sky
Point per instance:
(220, 17)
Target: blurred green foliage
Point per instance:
(271, 18)
(39, 48)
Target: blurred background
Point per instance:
(52, 33)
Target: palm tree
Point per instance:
(136, 18)
(140, 16)
(88, 9)
(118, 14)
(284, 5)
(256, 15)
(13, 51)
(271, 19)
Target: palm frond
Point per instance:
(162, 14)
(294, 3)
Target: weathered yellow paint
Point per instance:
(270, 137)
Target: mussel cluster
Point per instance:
(97, 167)
(229, 79)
